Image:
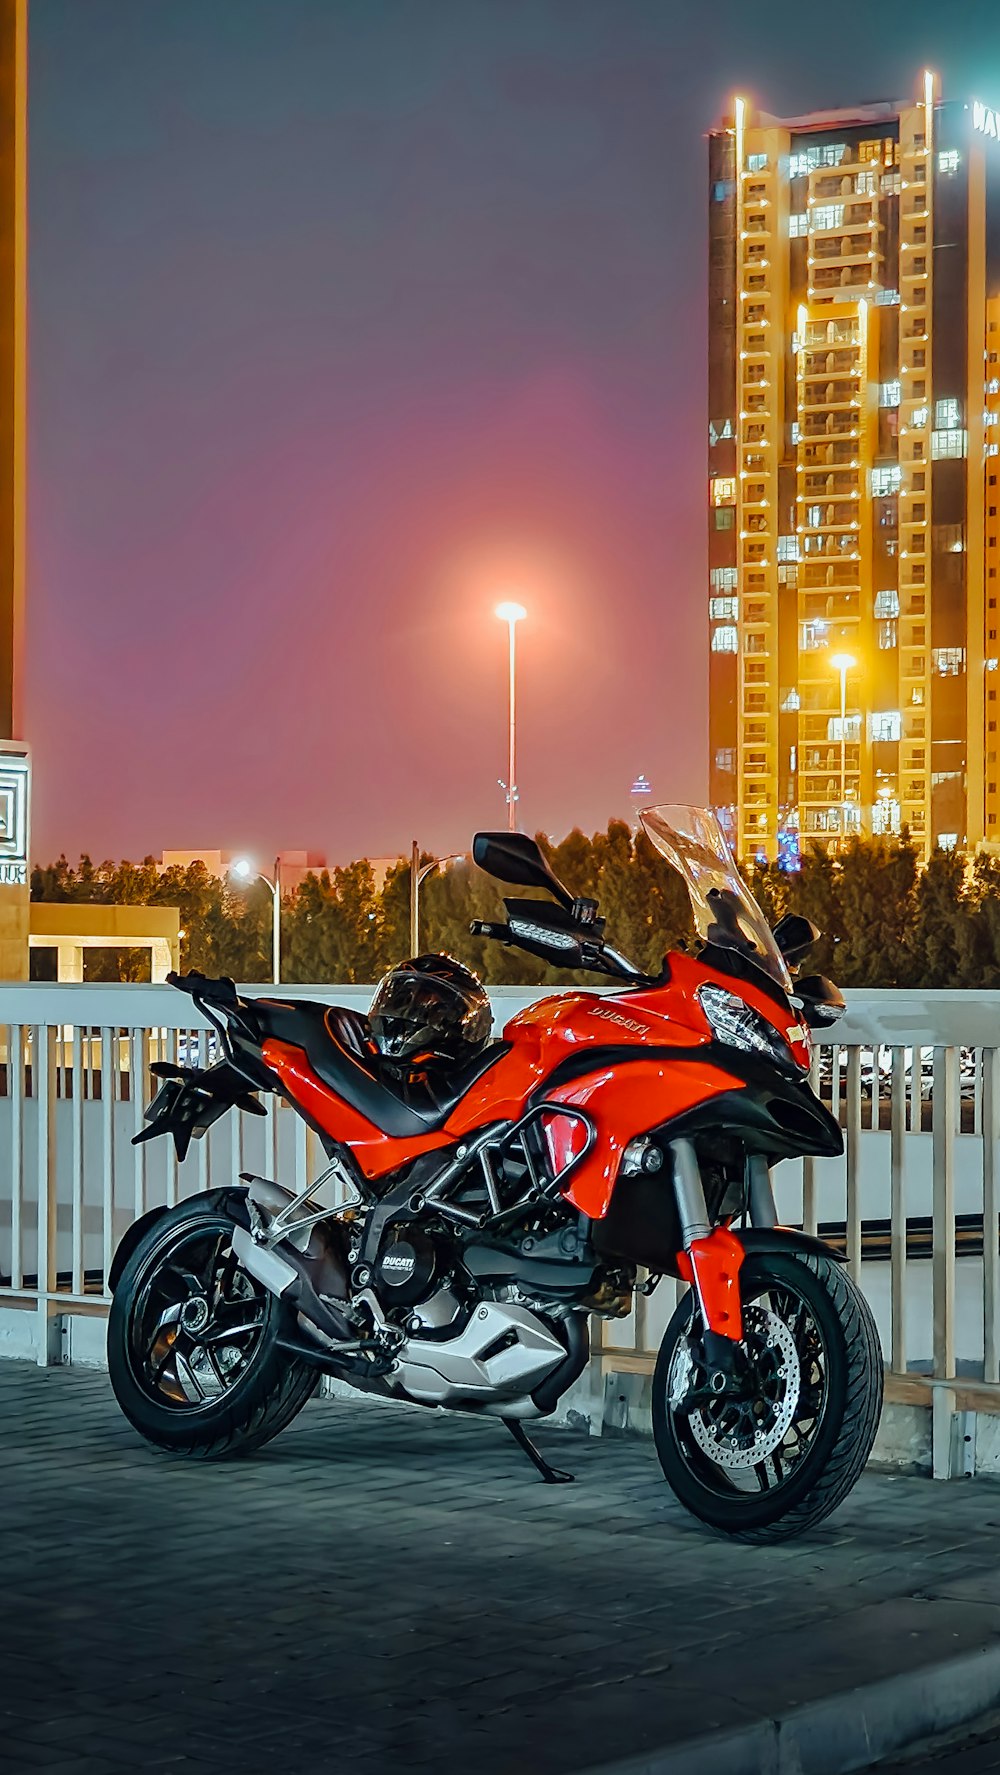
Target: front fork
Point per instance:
(712, 1256)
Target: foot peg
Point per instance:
(551, 1475)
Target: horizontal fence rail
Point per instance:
(914, 1202)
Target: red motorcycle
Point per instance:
(500, 1191)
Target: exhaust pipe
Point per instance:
(284, 1271)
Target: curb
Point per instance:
(843, 1732)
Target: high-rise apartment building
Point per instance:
(854, 431)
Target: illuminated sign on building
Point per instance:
(987, 122)
(15, 782)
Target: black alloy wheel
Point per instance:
(193, 1351)
(779, 1448)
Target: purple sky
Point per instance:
(347, 319)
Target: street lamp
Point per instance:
(511, 614)
(418, 874)
(843, 663)
(244, 871)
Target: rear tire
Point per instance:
(838, 1361)
(186, 1321)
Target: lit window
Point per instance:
(949, 443)
(724, 490)
(723, 579)
(948, 160)
(722, 609)
(790, 702)
(725, 639)
(886, 480)
(722, 189)
(947, 840)
(719, 430)
(887, 603)
(887, 724)
(725, 758)
(756, 163)
(723, 517)
(993, 449)
(919, 418)
(887, 298)
(796, 431)
(852, 729)
(991, 665)
(798, 225)
(948, 662)
(888, 394)
(814, 635)
(947, 414)
(788, 548)
(993, 385)
(827, 215)
(886, 635)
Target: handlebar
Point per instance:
(203, 989)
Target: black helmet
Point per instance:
(430, 1008)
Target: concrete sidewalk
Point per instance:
(387, 1590)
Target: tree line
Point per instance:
(886, 921)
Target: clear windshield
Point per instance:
(725, 912)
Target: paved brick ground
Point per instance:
(385, 1590)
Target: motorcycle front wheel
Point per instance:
(193, 1353)
(772, 1456)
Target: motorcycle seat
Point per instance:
(338, 1046)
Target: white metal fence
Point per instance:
(915, 1200)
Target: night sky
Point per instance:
(349, 317)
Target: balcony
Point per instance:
(827, 280)
(835, 425)
(832, 332)
(829, 397)
(816, 485)
(821, 364)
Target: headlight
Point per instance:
(739, 1026)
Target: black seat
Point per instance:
(338, 1045)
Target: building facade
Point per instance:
(854, 425)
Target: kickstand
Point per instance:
(551, 1475)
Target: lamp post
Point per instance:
(243, 870)
(843, 663)
(419, 873)
(511, 614)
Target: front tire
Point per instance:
(193, 1352)
(774, 1462)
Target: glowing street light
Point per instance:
(843, 663)
(418, 875)
(243, 871)
(511, 614)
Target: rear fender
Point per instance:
(231, 1201)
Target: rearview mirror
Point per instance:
(514, 857)
(794, 936)
(822, 1002)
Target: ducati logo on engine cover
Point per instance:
(395, 1260)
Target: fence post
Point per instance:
(943, 1245)
(897, 1208)
(991, 1215)
(44, 1083)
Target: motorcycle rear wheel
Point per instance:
(777, 1461)
(193, 1353)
